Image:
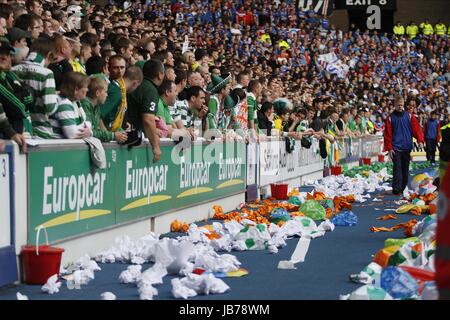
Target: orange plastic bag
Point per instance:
(329, 213)
(387, 217)
(417, 211)
(341, 203)
(407, 226)
(429, 197)
(213, 235)
(316, 196)
(297, 214)
(178, 226)
(382, 256)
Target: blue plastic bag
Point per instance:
(279, 214)
(345, 219)
(398, 283)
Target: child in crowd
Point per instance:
(96, 96)
(69, 121)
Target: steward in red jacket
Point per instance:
(401, 126)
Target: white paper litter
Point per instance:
(150, 277)
(206, 258)
(154, 275)
(298, 255)
(181, 291)
(376, 200)
(131, 274)
(286, 264)
(200, 284)
(52, 286)
(79, 278)
(108, 296)
(85, 262)
(147, 291)
(127, 251)
(173, 254)
(20, 296)
(326, 225)
(340, 185)
(273, 249)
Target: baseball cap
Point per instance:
(5, 46)
(15, 34)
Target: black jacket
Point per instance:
(264, 123)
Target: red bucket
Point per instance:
(381, 158)
(366, 161)
(279, 191)
(336, 170)
(40, 262)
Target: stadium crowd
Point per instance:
(71, 69)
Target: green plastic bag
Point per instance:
(327, 203)
(313, 210)
(295, 201)
(400, 242)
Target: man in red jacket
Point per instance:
(401, 126)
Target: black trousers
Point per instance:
(401, 170)
(431, 145)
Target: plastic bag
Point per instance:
(429, 223)
(295, 200)
(408, 254)
(419, 179)
(345, 219)
(382, 256)
(327, 204)
(399, 283)
(255, 237)
(313, 210)
(369, 275)
(430, 291)
(426, 188)
(279, 214)
(399, 242)
(369, 292)
(418, 202)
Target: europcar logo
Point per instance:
(142, 183)
(72, 193)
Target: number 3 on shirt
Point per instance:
(152, 107)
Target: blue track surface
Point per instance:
(323, 275)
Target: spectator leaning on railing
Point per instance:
(69, 121)
(97, 94)
(273, 52)
(143, 104)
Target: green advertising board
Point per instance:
(70, 197)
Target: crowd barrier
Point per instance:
(70, 196)
(84, 208)
(278, 165)
(354, 149)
